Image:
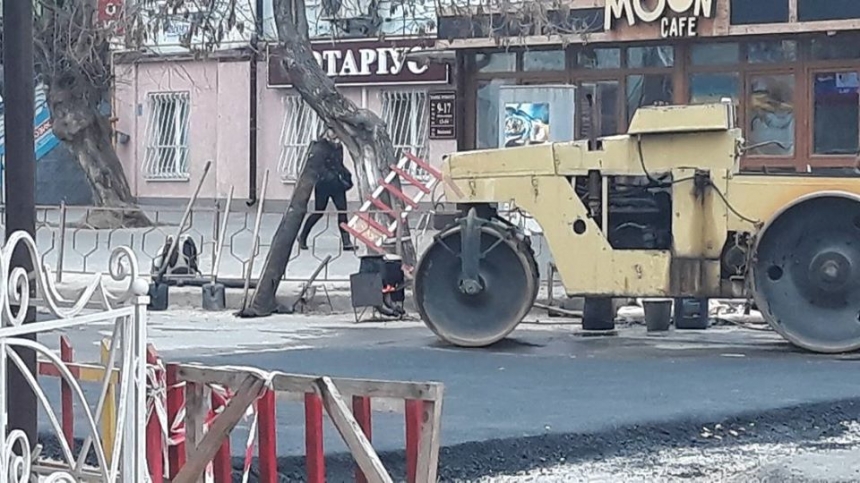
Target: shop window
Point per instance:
(715, 53)
(836, 48)
(301, 125)
(709, 88)
(837, 113)
(655, 56)
(770, 110)
(405, 114)
(496, 62)
(487, 118)
(167, 129)
(772, 51)
(604, 96)
(746, 12)
(648, 90)
(817, 10)
(543, 60)
(599, 58)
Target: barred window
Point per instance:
(405, 113)
(301, 125)
(167, 136)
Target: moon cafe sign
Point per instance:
(364, 63)
(678, 18)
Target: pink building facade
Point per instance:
(177, 114)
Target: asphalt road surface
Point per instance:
(544, 397)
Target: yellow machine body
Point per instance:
(711, 200)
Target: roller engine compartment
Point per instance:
(640, 210)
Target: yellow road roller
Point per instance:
(662, 211)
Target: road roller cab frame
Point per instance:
(661, 211)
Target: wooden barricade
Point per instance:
(211, 413)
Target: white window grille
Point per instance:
(301, 125)
(405, 113)
(167, 136)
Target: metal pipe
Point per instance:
(164, 263)
(252, 101)
(19, 96)
(61, 256)
(256, 241)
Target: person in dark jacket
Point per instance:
(332, 184)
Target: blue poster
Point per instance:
(526, 123)
(43, 135)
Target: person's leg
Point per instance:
(339, 199)
(320, 202)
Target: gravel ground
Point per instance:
(807, 443)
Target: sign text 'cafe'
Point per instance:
(684, 22)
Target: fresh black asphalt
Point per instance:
(543, 396)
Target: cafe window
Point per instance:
(715, 53)
(772, 51)
(543, 60)
(652, 56)
(836, 117)
(648, 90)
(496, 62)
(770, 112)
(598, 58)
(709, 88)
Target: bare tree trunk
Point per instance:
(264, 301)
(87, 134)
(362, 132)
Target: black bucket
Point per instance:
(658, 314)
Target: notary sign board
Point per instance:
(443, 123)
(365, 63)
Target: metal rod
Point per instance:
(164, 263)
(61, 256)
(19, 97)
(256, 241)
(311, 280)
(219, 241)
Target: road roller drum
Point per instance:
(662, 211)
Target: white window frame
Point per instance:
(300, 127)
(167, 136)
(408, 130)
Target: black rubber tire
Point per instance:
(508, 272)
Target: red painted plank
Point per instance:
(396, 192)
(410, 179)
(362, 410)
(424, 165)
(383, 207)
(222, 464)
(175, 402)
(268, 438)
(67, 354)
(373, 223)
(154, 441)
(414, 408)
(314, 452)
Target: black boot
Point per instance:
(347, 244)
(303, 243)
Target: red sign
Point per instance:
(365, 63)
(109, 10)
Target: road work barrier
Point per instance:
(204, 404)
(212, 400)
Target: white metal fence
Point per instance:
(125, 313)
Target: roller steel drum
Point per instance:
(806, 272)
